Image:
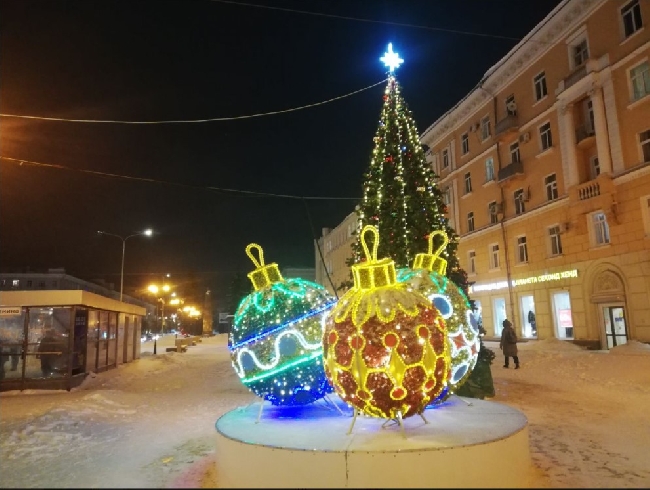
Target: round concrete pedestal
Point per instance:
(484, 444)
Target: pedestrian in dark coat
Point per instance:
(508, 343)
(46, 348)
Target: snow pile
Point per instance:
(150, 423)
(632, 348)
(552, 345)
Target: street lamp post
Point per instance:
(147, 232)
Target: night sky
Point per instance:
(197, 59)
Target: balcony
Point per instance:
(590, 196)
(508, 124)
(590, 66)
(511, 170)
(584, 135)
(575, 76)
(588, 190)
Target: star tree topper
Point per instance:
(391, 59)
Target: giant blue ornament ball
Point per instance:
(276, 339)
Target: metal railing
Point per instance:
(508, 123)
(583, 132)
(510, 171)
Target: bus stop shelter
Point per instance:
(53, 339)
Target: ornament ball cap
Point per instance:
(373, 273)
(263, 275)
(432, 261)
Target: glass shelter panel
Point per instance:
(80, 342)
(121, 330)
(103, 341)
(48, 336)
(112, 339)
(93, 341)
(12, 337)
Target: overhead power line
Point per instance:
(177, 184)
(179, 121)
(374, 21)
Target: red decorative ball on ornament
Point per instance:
(385, 346)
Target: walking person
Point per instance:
(508, 343)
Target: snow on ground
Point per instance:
(151, 423)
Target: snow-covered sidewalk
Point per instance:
(151, 423)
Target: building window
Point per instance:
(631, 14)
(29, 284)
(545, 136)
(640, 80)
(41, 285)
(485, 128)
(555, 240)
(468, 183)
(540, 86)
(445, 158)
(470, 221)
(15, 283)
(446, 196)
(492, 212)
(600, 228)
(519, 201)
(511, 106)
(522, 250)
(580, 53)
(645, 214)
(594, 167)
(494, 256)
(551, 187)
(55, 284)
(471, 262)
(644, 141)
(514, 153)
(464, 143)
(489, 170)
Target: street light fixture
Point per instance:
(158, 291)
(147, 232)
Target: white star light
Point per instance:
(391, 59)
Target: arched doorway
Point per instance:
(608, 295)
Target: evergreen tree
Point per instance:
(400, 196)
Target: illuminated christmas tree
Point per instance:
(400, 196)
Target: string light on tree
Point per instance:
(401, 198)
(275, 343)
